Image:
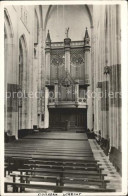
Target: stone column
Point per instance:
(35, 89)
(24, 89)
(67, 42)
(76, 92)
(118, 13)
(39, 78)
(43, 74)
(46, 116)
(87, 56)
(88, 76)
(47, 56)
(56, 92)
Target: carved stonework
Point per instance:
(57, 58)
(66, 80)
(77, 57)
(67, 42)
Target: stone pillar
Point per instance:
(77, 91)
(43, 74)
(56, 92)
(35, 89)
(119, 143)
(67, 42)
(47, 54)
(87, 56)
(24, 89)
(46, 116)
(39, 79)
(88, 76)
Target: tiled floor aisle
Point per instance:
(109, 169)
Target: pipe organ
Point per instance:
(68, 72)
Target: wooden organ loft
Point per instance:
(67, 80)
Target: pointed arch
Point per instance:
(23, 42)
(47, 15)
(8, 24)
(38, 10)
(90, 15)
(36, 27)
(86, 7)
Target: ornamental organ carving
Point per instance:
(57, 63)
(77, 64)
(67, 70)
(66, 89)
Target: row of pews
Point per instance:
(56, 162)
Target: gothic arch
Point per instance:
(23, 43)
(8, 24)
(36, 27)
(86, 7)
(38, 10)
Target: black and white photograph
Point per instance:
(64, 131)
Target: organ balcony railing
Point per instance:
(66, 96)
(80, 103)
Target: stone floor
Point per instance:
(112, 175)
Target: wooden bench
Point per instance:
(50, 154)
(55, 165)
(15, 162)
(57, 180)
(65, 162)
(73, 167)
(63, 173)
(50, 157)
(53, 187)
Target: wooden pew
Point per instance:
(20, 161)
(65, 162)
(54, 187)
(51, 162)
(62, 173)
(49, 154)
(62, 166)
(57, 180)
(65, 167)
(55, 165)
